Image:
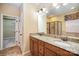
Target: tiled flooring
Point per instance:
(12, 51)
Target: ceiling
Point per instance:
(63, 9)
(52, 11)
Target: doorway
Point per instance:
(9, 31)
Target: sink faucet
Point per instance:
(64, 38)
(40, 34)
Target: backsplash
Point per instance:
(72, 34)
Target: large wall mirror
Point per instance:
(63, 20)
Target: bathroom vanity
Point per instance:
(48, 46)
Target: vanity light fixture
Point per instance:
(40, 11)
(45, 10)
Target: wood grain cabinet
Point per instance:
(48, 52)
(58, 51)
(41, 48)
(54, 27)
(31, 46)
(34, 46)
(73, 16)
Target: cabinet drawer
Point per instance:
(41, 49)
(58, 51)
(49, 52)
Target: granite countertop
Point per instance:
(67, 45)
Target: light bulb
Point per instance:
(73, 8)
(65, 3)
(57, 7)
(40, 11)
(54, 4)
(44, 9)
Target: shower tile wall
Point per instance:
(8, 33)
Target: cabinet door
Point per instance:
(41, 49)
(31, 47)
(48, 29)
(35, 48)
(52, 28)
(59, 28)
(49, 52)
(77, 15)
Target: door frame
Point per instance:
(16, 19)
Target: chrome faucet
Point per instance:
(64, 38)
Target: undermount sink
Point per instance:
(62, 43)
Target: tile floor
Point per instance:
(12, 51)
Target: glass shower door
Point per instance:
(8, 32)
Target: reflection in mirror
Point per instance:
(63, 20)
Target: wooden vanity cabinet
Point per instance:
(58, 51)
(31, 46)
(48, 52)
(73, 16)
(34, 46)
(41, 48)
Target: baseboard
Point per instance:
(27, 53)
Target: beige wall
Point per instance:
(30, 24)
(9, 9)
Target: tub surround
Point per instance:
(70, 46)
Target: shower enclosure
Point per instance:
(9, 31)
